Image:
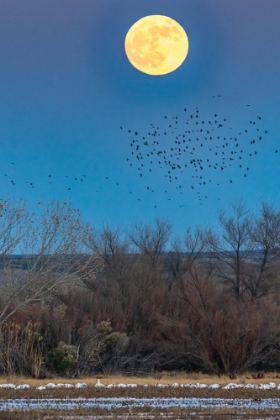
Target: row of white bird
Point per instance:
(270, 385)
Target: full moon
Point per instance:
(156, 45)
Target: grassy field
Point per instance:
(164, 378)
(143, 392)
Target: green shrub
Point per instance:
(63, 358)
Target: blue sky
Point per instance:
(66, 87)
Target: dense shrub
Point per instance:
(63, 358)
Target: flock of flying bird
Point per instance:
(191, 151)
(194, 148)
(48, 178)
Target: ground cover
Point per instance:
(223, 413)
(142, 378)
(245, 397)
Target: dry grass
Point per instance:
(163, 378)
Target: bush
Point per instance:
(63, 358)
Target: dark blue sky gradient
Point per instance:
(66, 87)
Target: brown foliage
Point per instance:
(208, 303)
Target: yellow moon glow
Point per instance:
(156, 45)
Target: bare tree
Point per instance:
(185, 258)
(183, 255)
(113, 251)
(262, 270)
(231, 247)
(117, 263)
(14, 224)
(151, 240)
(50, 250)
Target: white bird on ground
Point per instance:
(81, 385)
(99, 384)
